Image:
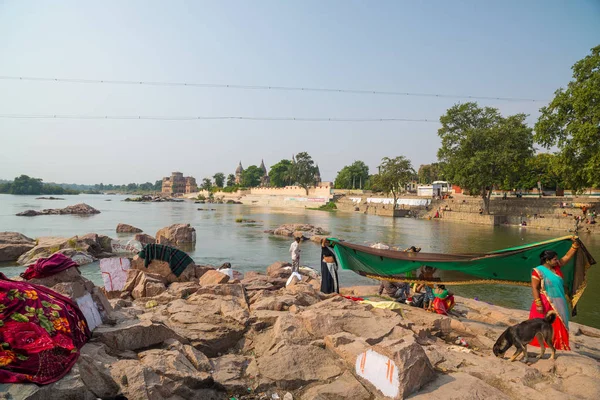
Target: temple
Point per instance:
(179, 184)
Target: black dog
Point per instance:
(521, 334)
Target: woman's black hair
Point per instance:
(547, 255)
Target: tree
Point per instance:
(280, 173)
(394, 174)
(352, 176)
(572, 123)
(158, 186)
(206, 184)
(304, 170)
(219, 178)
(230, 180)
(132, 187)
(26, 185)
(543, 168)
(481, 149)
(147, 186)
(429, 173)
(251, 176)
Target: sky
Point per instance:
(517, 49)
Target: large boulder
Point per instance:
(213, 277)
(408, 368)
(177, 235)
(290, 366)
(162, 269)
(303, 231)
(134, 334)
(81, 248)
(343, 387)
(125, 228)
(13, 245)
(77, 209)
(144, 239)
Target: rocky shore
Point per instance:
(77, 209)
(205, 336)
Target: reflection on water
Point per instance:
(220, 239)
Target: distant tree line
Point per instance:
(35, 186)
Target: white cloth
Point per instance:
(228, 272)
(114, 272)
(295, 250)
(294, 274)
(89, 310)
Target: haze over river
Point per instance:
(220, 239)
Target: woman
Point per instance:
(549, 294)
(329, 277)
(443, 301)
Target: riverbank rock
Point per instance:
(144, 239)
(177, 235)
(77, 209)
(236, 340)
(125, 228)
(303, 231)
(13, 245)
(83, 249)
(49, 198)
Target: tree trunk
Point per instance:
(394, 196)
(486, 194)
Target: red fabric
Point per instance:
(443, 306)
(45, 267)
(561, 334)
(41, 333)
(354, 298)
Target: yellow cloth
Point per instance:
(388, 305)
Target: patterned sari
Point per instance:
(41, 333)
(552, 294)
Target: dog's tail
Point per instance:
(550, 316)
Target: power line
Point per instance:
(263, 87)
(205, 118)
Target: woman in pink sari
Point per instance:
(548, 290)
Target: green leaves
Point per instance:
(19, 317)
(22, 357)
(353, 176)
(572, 123)
(481, 149)
(46, 324)
(394, 174)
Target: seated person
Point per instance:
(427, 275)
(443, 301)
(396, 290)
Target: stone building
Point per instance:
(238, 174)
(265, 181)
(179, 184)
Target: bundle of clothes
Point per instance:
(41, 331)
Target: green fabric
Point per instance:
(442, 295)
(513, 265)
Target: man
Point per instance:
(396, 290)
(295, 252)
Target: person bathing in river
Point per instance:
(548, 290)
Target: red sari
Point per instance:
(561, 333)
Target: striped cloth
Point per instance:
(177, 259)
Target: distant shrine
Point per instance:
(265, 180)
(179, 184)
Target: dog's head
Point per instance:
(502, 344)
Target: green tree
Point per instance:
(230, 180)
(352, 176)
(132, 187)
(571, 122)
(251, 176)
(543, 168)
(280, 173)
(206, 184)
(394, 174)
(304, 170)
(158, 186)
(481, 149)
(146, 186)
(219, 178)
(429, 173)
(26, 185)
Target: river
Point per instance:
(247, 247)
